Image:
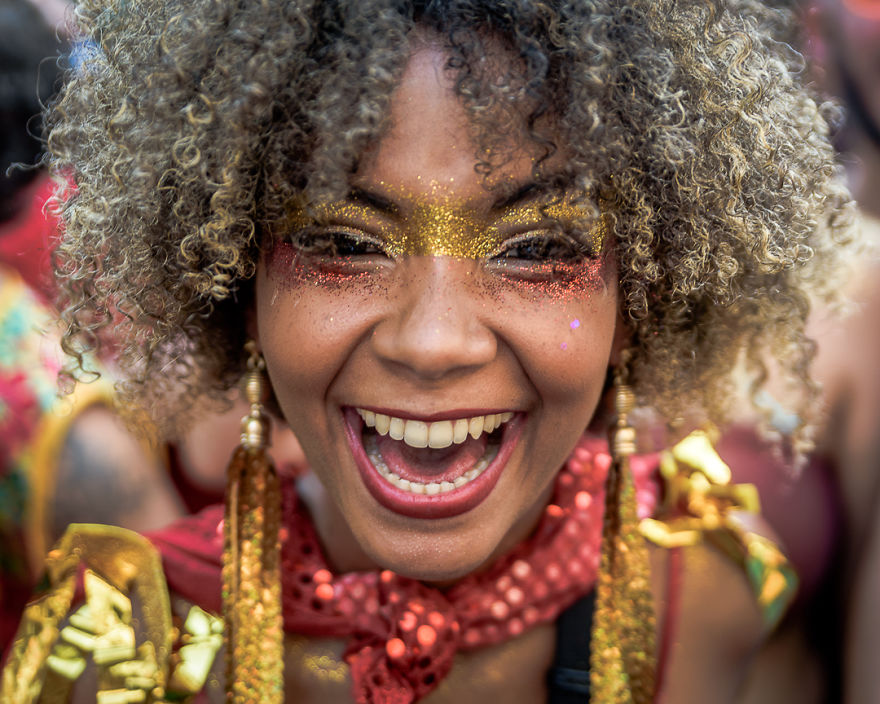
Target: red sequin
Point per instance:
(395, 648)
(426, 636)
(324, 591)
(500, 610)
(583, 500)
(521, 569)
(408, 622)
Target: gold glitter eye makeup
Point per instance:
(533, 241)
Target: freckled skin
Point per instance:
(426, 334)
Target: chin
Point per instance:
(430, 566)
(440, 551)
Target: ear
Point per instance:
(250, 324)
(622, 337)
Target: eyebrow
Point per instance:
(374, 201)
(526, 192)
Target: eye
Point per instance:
(336, 243)
(544, 247)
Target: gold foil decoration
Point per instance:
(201, 640)
(122, 569)
(46, 659)
(700, 505)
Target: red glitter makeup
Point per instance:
(560, 281)
(295, 268)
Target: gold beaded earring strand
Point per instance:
(622, 647)
(251, 556)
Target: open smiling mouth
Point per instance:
(431, 469)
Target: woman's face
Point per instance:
(426, 308)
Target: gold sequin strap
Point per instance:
(701, 504)
(124, 585)
(47, 445)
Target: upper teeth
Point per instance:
(439, 434)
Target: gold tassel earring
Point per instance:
(622, 651)
(251, 557)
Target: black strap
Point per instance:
(568, 679)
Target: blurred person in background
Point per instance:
(843, 45)
(826, 651)
(30, 68)
(60, 461)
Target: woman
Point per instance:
(444, 229)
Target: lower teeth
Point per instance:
(432, 488)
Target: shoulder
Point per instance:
(721, 583)
(709, 624)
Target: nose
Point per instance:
(436, 324)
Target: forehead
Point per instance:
(429, 153)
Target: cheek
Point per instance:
(289, 270)
(569, 317)
(565, 345)
(579, 352)
(308, 321)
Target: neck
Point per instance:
(345, 554)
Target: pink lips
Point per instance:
(445, 505)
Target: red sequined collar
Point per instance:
(401, 634)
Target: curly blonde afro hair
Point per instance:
(193, 123)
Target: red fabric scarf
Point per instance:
(402, 635)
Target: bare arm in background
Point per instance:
(105, 475)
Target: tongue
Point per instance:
(428, 465)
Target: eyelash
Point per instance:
(534, 247)
(545, 247)
(335, 243)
